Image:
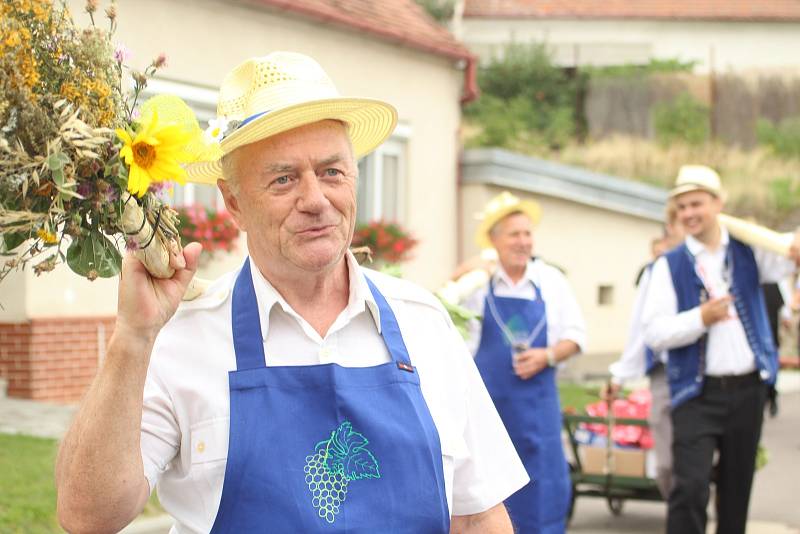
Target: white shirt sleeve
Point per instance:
(664, 327)
(491, 470)
(475, 303)
(567, 323)
(772, 267)
(160, 433)
(632, 363)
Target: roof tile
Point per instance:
(733, 10)
(399, 21)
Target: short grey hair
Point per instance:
(229, 171)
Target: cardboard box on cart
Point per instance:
(627, 462)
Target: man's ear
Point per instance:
(231, 203)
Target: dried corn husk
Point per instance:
(155, 251)
(756, 235)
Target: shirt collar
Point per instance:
(530, 275)
(360, 298)
(696, 247)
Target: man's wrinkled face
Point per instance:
(697, 212)
(512, 237)
(295, 196)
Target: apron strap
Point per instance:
(390, 330)
(248, 340)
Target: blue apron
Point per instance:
(324, 448)
(529, 409)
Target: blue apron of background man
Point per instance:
(324, 448)
(529, 409)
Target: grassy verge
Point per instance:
(576, 395)
(27, 492)
(27, 489)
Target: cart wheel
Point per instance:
(615, 505)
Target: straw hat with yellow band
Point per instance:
(500, 207)
(268, 95)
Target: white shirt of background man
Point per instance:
(633, 362)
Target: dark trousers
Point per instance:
(727, 417)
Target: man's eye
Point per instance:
(281, 180)
(332, 172)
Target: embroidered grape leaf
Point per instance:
(346, 440)
(360, 465)
(343, 443)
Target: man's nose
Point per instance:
(311, 195)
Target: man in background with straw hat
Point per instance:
(301, 393)
(531, 322)
(705, 307)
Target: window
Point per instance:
(605, 295)
(203, 102)
(381, 181)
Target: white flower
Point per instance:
(216, 130)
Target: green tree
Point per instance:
(440, 10)
(525, 98)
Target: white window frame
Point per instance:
(396, 145)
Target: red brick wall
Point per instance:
(52, 359)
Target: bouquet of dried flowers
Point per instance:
(388, 241)
(80, 161)
(215, 230)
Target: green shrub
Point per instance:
(655, 66)
(783, 194)
(783, 138)
(683, 119)
(525, 98)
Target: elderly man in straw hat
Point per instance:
(301, 393)
(531, 322)
(704, 306)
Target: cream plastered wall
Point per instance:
(204, 39)
(738, 46)
(594, 246)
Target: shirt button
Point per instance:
(325, 353)
(201, 446)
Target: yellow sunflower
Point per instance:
(154, 154)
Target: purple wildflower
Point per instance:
(122, 53)
(85, 189)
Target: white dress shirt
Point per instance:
(185, 423)
(727, 349)
(564, 317)
(633, 362)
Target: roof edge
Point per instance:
(662, 18)
(494, 166)
(457, 51)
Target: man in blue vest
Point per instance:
(705, 306)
